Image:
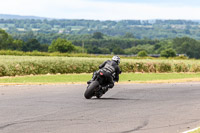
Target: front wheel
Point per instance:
(90, 90)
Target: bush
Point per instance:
(181, 67)
(61, 45)
(24, 65)
(168, 53)
(142, 54)
(164, 67)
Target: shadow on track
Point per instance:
(113, 99)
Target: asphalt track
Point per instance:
(127, 108)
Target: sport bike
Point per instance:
(95, 87)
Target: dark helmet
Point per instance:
(116, 59)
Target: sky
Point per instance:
(104, 9)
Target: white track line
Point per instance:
(191, 130)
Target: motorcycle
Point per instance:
(95, 87)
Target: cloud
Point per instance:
(101, 10)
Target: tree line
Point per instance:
(152, 29)
(99, 43)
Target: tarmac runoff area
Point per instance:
(127, 108)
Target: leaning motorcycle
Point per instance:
(95, 87)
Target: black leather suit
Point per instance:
(111, 70)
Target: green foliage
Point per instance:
(142, 54)
(141, 47)
(188, 46)
(26, 65)
(17, 45)
(118, 50)
(99, 43)
(162, 45)
(5, 40)
(104, 50)
(124, 77)
(181, 67)
(158, 29)
(97, 35)
(181, 57)
(168, 53)
(31, 45)
(78, 49)
(129, 35)
(164, 67)
(38, 53)
(61, 45)
(133, 50)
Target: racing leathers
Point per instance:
(111, 70)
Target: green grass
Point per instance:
(126, 77)
(157, 76)
(196, 131)
(68, 78)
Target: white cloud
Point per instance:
(85, 9)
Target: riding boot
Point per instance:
(105, 89)
(93, 78)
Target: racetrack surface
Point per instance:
(127, 108)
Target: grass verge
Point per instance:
(82, 78)
(197, 130)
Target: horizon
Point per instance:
(104, 9)
(41, 17)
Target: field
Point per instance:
(83, 78)
(34, 65)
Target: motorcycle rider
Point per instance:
(111, 71)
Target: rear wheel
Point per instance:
(90, 90)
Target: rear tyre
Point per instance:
(90, 90)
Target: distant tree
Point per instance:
(79, 49)
(5, 40)
(31, 45)
(142, 54)
(157, 29)
(129, 35)
(133, 50)
(118, 50)
(162, 45)
(94, 50)
(168, 53)
(188, 46)
(26, 36)
(105, 51)
(157, 46)
(97, 35)
(17, 45)
(44, 47)
(61, 45)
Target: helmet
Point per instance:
(116, 59)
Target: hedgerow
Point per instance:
(34, 65)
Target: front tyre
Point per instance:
(90, 89)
